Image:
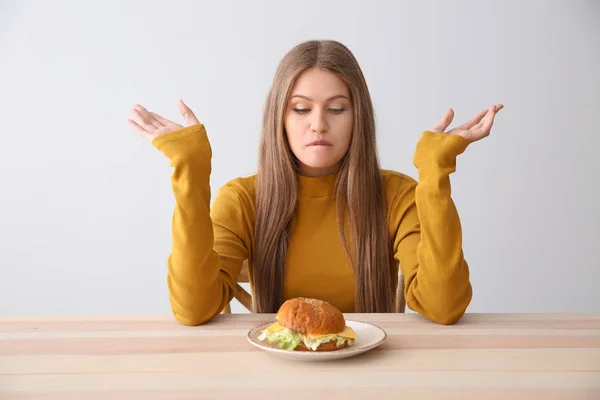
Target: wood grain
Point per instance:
(491, 356)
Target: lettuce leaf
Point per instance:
(289, 339)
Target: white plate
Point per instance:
(367, 338)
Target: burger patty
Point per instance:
(327, 346)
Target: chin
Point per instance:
(320, 164)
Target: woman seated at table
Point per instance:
(320, 218)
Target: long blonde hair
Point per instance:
(359, 193)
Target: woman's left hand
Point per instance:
(473, 130)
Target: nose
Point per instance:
(318, 123)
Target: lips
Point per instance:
(320, 143)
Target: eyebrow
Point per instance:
(337, 96)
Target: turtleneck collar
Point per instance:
(316, 187)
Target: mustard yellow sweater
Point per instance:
(211, 243)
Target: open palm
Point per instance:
(152, 125)
(476, 129)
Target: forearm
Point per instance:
(441, 288)
(197, 291)
(436, 274)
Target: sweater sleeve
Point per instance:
(201, 281)
(428, 241)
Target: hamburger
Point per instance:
(305, 324)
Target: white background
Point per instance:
(86, 204)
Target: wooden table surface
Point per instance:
(484, 356)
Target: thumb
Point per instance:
(187, 113)
(444, 122)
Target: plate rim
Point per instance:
(324, 354)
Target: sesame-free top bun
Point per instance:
(311, 316)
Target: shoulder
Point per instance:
(234, 206)
(399, 191)
(240, 191)
(244, 186)
(233, 212)
(395, 182)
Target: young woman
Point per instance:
(320, 218)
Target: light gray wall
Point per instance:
(85, 212)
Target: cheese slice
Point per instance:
(346, 333)
(274, 328)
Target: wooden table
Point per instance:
(484, 356)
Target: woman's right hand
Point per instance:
(152, 125)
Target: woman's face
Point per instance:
(318, 121)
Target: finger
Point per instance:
(144, 133)
(154, 120)
(161, 120)
(188, 115)
(488, 120)
(143, 119)
(474, 121)
(148, 117)
(445, 121)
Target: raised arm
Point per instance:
(200, 280)
(428, 240)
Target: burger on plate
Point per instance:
(305, 324)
